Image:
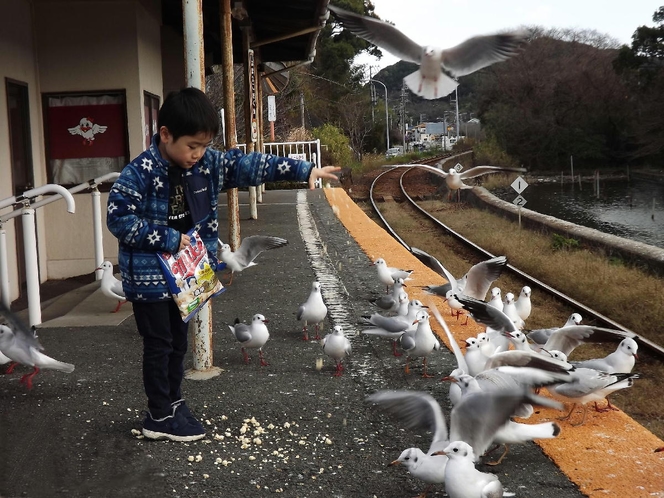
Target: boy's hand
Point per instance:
(184, 241)
(324, 172)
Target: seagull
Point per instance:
(439, 68)
(249, 249)
(523, 304)
(620, 361)
(392, 301)
(388, 274)
(540, 336)
(421, 342)
(394, 326)
(475, 358)
(509, 308)
(588, 385)
(496, 299)
(313, 311)
(252, 336)
(462, 479)
(475, 283)
(111, 286)
(20, 345)
(337, 346)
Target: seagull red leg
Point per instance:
(245, 356)
(394, 348)
(262, 360)
(27, 378)
(11, 367)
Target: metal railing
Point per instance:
(27, 213)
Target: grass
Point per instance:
(626, 294)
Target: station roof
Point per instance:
(282, 31)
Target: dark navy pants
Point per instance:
(164, 347)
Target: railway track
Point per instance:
(569, 301)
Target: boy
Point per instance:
(169, 189)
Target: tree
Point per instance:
(641, 67)
(559, 97)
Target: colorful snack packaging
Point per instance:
(190, 277)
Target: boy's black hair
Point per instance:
(188, 112)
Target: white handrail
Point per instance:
(27, 213)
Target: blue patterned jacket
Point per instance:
(137, 209)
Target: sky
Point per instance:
(445, 23)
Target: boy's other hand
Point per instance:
(324, 173)
(184, 241)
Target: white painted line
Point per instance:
(334, 292)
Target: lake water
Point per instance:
(623, 208)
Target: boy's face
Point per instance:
(186, 150)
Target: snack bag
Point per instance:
(190, 277)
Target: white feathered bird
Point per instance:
(22, 346)
(337, 346)
(249, 249)
(312, 311)
(439, 68)
(111, 286)
(253, 336)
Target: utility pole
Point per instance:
(302, 109)
(403, 115)
(373, 98)
(387, 116)
(456, 101)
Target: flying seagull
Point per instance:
(438, 67)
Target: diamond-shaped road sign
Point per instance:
(519, 201)
(519, 185)
(458, 167)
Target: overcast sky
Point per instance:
(445, 23)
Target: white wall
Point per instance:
(17, 62)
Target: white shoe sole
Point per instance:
(160, 436)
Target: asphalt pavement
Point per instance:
(289, 428)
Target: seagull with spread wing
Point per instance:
(439, 68)
(249, 249)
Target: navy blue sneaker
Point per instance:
(182, 407)
(174, 427)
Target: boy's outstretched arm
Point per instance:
(324, 173)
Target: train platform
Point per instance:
(289, 428)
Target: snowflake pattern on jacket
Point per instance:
(137, 208)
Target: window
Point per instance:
(86, 135)
(150, 112)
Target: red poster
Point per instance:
(86, 131)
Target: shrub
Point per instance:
(561, 243)
(337, 149)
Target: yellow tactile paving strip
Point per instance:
(610, 455)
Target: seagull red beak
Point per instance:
(395, 462)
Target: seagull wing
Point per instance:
(482, 51)
(379, 33)
(486, 315)
(482, 275)
(241, 331)
(254, 245)
(483, 170)
(415, 410)
(565, 339)
(431, 262)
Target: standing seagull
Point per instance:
(249, 249)
(438, 69)
(111, 286)
(462, 479)
(337, 346)
(313, 311)
(252, 336)
(20, 345)
(388, 274)
(421, 342)
(523, 304)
